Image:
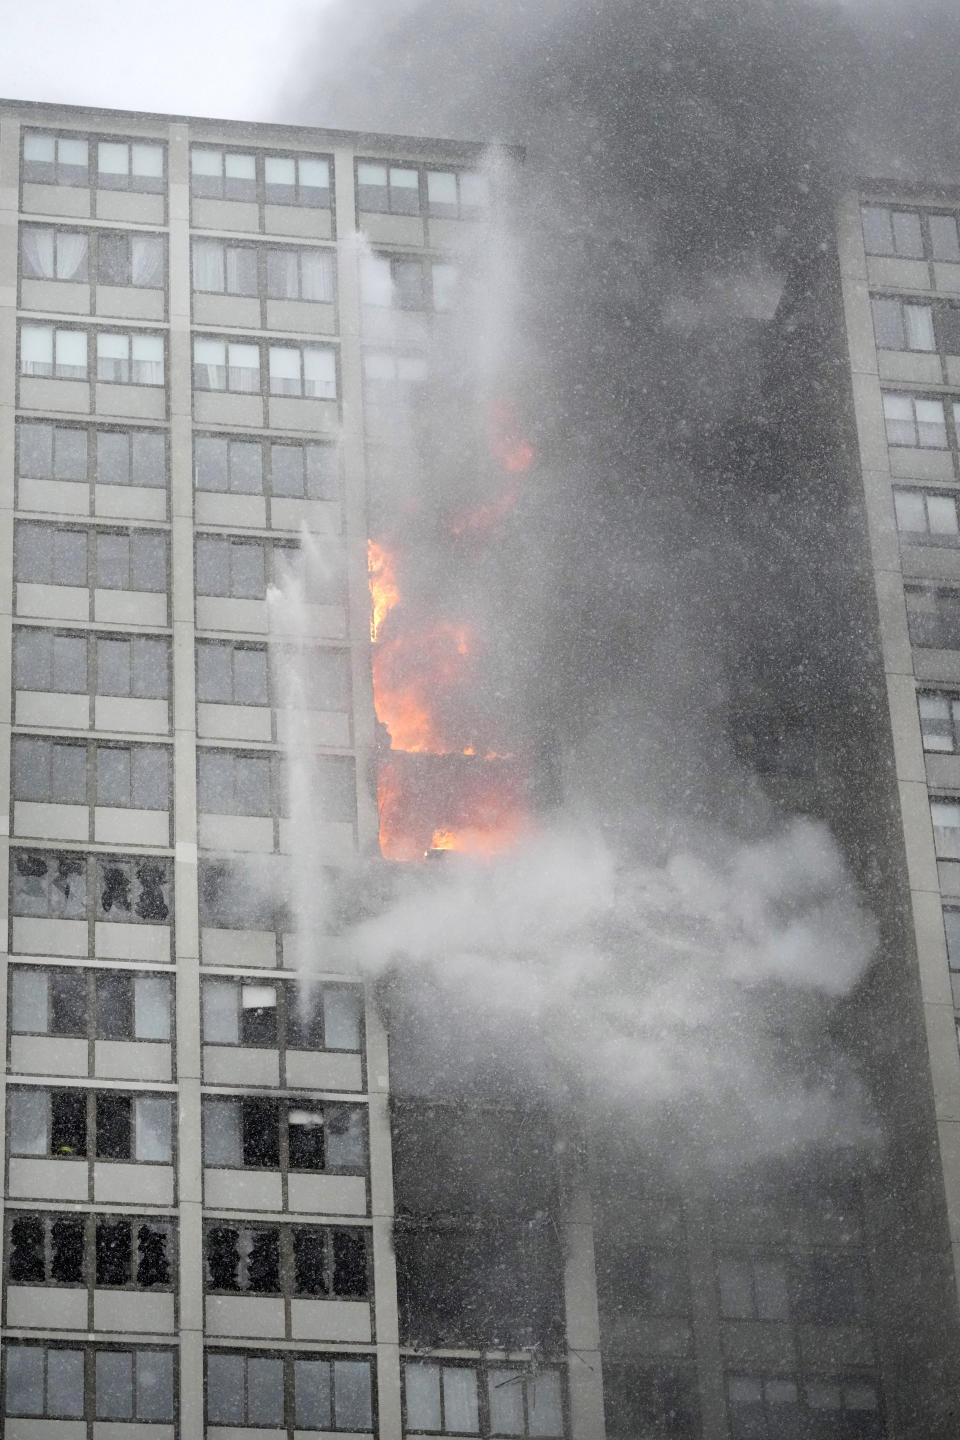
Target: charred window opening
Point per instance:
(634, 1280)
(308, 1262)
(113, 1127)
(49, 886)
(68, 1122)
(113, 1250)
(660, 1403)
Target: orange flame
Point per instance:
(383, 585)
(508, 446)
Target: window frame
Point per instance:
(287, 1232)
(93, 748)
(90, 1411)
(93, 870)
(89, 977)
(92, 479)
(94, 1142)
(288, 1359)
(93, 261)
(266, 445)
(93, 533)
(928, 535)
(485, 1373)
(281, 1106)
(286, 1006)
(90, 1276)
(259, 197)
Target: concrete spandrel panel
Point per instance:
(245, 1432)
(456, 237)
(52, 602)
(943, 771)
(946, 276)
(917, 464)
(824, 1347)
(234, 722)
(119, 826)
(242, 1189)
(144, 717)
(225, 214)
(64, 297)
(884, 270)
(258, 1316)
(22, 1429)
(130, 607)
(324, 1070)
(125, 940)
(292, 412)
(241, 510)
(901, 365)
(948, 875)
(41, 1307)
(49, 1055)
(130, 502)
(930, 562)
(324, 727)
(39, 393)
(132, 1060)
(71, 201)
(40, 707)
(129, 302)
(953, 369)
(235, 832)
(37, 936)
(339, 1321)
(936, 664)
(129, 1430)
(302, 221)
(135, 402)
(240, 1065)
(329, 955)
(60, 497)
(136, 1312)
(217, 407)
(238, 947)
(391, 229)
(36, 1179)
(248, 617)
(51, 822)
(124, 205)
(132, 1184)
(323, 517)
(241, 312)
(302, 316)
(327, 1194)
(663, 1336)
(334, 842)
(758, 1343)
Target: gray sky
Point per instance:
(223, 58)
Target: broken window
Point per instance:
(660, 1402)
(245, 1013)
(132, 890)
(753, 1288)
(133, 1253)
(49, 886)
(55, 1122)
(313, 1135)
(230, 899)
(232, 784)
(48, 1002)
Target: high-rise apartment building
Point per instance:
(227, 1210)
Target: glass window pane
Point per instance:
(35, 450)
(278, 170)
(225, 1389)
(346, 1139)
(210, 457)
(153, 1128)
(113, 459)
(69, 453)
(40, 147)
(114, 1369)
(154, 1385)
(241, 270)
(351, 1380)
(907, 238)
(341, 1019)
(214, 674)
(315, 174)
(150, 680)
(248, 572)
(320, 373)
(213, 566)
(71, 354)
(151, 1007)
(460, 1399)
(888, 324)
(943, 237)
(148, 562)
(246, 474)
(28, 1001)
(206, 162)
(24, 1379)
(150, 777)
(244, 368)
(283, 275)
(113, 775)
(736, 1289)
(544, 1405)
(37, 252)
(311, 1384)
(69, 664)
(316, 275)
(910, 510)
(770, 1280)
(113, 159)
(250, 677)
(33, 660)
(919, 327)
(252, 784)
(28, 1122)
(240, 167)
(147, 161)
(931, 425)
(422, 1386)
(284, 370)
(898, 415)
(264, 1391)
(221, 1132)
(474, 191)
(113, 667)
(36, 349)
(221, 1016)
(286, 464)
(442, 190)
(942, 514)
(505, 1389)
(64, 1382)
(149, 459)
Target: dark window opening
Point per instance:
(68, 1123)
(113, 1127)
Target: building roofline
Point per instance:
(269, 128)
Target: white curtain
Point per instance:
(244, 371)
(71, 256)
(146, 261)
(113, 358)
(209, 364)
(147, 360)
(282, 276)
(316, 275)
(320, 374)
(208, 266)
(36, 252)
(284, 370)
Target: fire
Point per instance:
(383, 585)
(508, 446)
(444, 840)
(449, 802)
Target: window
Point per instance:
(104, 1004)
(902, 325)
(136, 560)
(300, 275)
(232, 784)
(943, 237)
(222, 174)
(222, 268)
(235, 568)
(231, 674)
(51, 452)
(49, 886)
(456, 195)
(56, 772)
(392, 379)
(891, 232)
(271, 1134)
(309, 1392)
(318, 1262)
(239, 1012)
(926, 513)
(133, 776)
(116, 1251)
(762, 1408)
(119, 457)
(48, 254)
(933, 616)
(131, 260)
(456, 1399)
(940, 722)
(52, 771)
(303, 370)
(951, 925)
(910, 421)
(307, 471)
(43, 1380)
(49, 351)
(46, 661)
(388, 189)
(407, 284)
(831, 1290)
(768, 1408)
(219, 365)
(229, 901)
(104, 1124)
(842, 1407)
(642, 1281)
(49, 555)
(130, 359)
(54, 159)
(753, 1289)
(945, 815)
(300, 180)
(130, 166)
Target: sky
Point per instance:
(227, 59)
